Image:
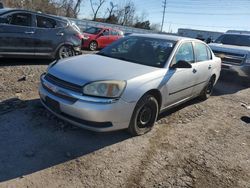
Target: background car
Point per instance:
(128, 83)
(234, 51)
(99, 37)
(32, 34)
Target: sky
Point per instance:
(212, 15)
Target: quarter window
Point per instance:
(21, 19)
(44, 22)
(201, 52)
(184, 53)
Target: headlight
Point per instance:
(109, 89)
(85, 37)
(51, 65)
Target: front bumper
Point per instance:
(243, 70)
(95, 116)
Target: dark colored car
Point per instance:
(100, 37)
(33, 34)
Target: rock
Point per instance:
(22, 79)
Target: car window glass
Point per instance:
(141, 50)
(93, 30)
(106, 33)
(184, 53)
(201, 52)
(44, 22)
(114, 33)
(21, 19)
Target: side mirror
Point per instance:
(182, 64)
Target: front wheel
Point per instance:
(93, 45)
(144, 115)
(65, 51)
(207, 91)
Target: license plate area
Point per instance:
(53, 104)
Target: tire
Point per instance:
(93, 45)
(65, 51)
(207, 91)
(144, 116)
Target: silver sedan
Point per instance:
(127, 84)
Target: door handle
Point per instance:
(60, 34)
(209, 67)
(194, 70)
(29, 32)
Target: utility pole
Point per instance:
(163, 16)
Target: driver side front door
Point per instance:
(180, 81)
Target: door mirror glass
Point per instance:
(182, 64)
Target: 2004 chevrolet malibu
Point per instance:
(127, 84)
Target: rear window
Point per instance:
(238, 40)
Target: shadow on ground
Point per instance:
(31, 139)
(230, 84)
(19, 61)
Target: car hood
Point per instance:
(230, 48)
(88, 68)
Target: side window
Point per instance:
(201, 52)
(21, 19)
(44, 22)
(106, 33)
(184, 53)
(114, 33)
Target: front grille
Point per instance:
(65, 97)
(230, 58)
(63, 84)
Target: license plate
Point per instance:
(52, 104)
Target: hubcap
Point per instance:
(66, 52)
(210, 87)
(93, 46)
(144, 117)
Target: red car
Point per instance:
(99, 37)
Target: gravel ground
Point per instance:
(200, 144)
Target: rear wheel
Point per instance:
(144, 115)
(65, 51)
(93, 45)
(207, 91)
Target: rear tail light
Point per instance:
(79, 35)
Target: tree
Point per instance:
(143, 25)
(69, 8)
(95, 6)
(126, 13)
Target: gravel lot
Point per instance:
(200, 144)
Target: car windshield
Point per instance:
(141, 50)
(238, 40)
(93, 30)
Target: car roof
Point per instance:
(4, 10)
(238, 34)
(165, 37)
